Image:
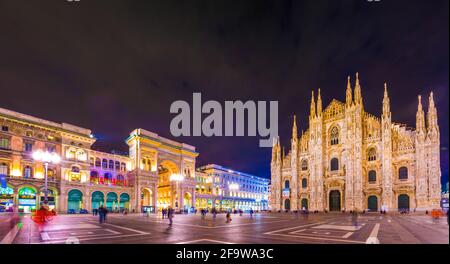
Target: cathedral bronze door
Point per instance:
(372, 203)
(335, 201)
(287, 204)
(403, 202)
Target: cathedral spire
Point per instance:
(319, 104)
(386, 103)
(432, 115)
(294, 129)
(420, 117)
(348, 93)
(312, 112)
(358, 96)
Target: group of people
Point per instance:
(101, 212)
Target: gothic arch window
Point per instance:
(372, 154)
(334, 136)
(372, 176)
(403, 173)
(286, 184)
(304, 165)
(334, 164)
(304, 183)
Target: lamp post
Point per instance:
(177, 178)
(46, 157)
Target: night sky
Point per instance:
(112, 66)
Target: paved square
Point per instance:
(335, 228)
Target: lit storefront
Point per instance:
(6, 199)
(75, 200)
(111, 202)
(51, 198)
(27, 199)
(98, 199)
(124, 201)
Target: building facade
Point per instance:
(226, 189)
(156, 173)
(349, 159)
(88, 179)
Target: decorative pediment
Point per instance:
(335, 108)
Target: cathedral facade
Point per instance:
(349, 159)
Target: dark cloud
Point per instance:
(113, 66)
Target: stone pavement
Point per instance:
(335, 228)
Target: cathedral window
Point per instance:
(372, 154)
(372, 176)
(286, 185)
(304, 165)
(304, 183)
(334, 137)
(403, 173)
(334, 164)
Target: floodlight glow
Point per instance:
(176, 177)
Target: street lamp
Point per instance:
(46, 157)
(177, 178)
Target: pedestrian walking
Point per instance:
(214, 212)
(163, 211)
(355, 218)
(101, 214)
(170, 215)
(251, 213)
(228, 218)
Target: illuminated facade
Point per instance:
(349, 159)
(224, 189)
(87, 179)
(156, 173)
